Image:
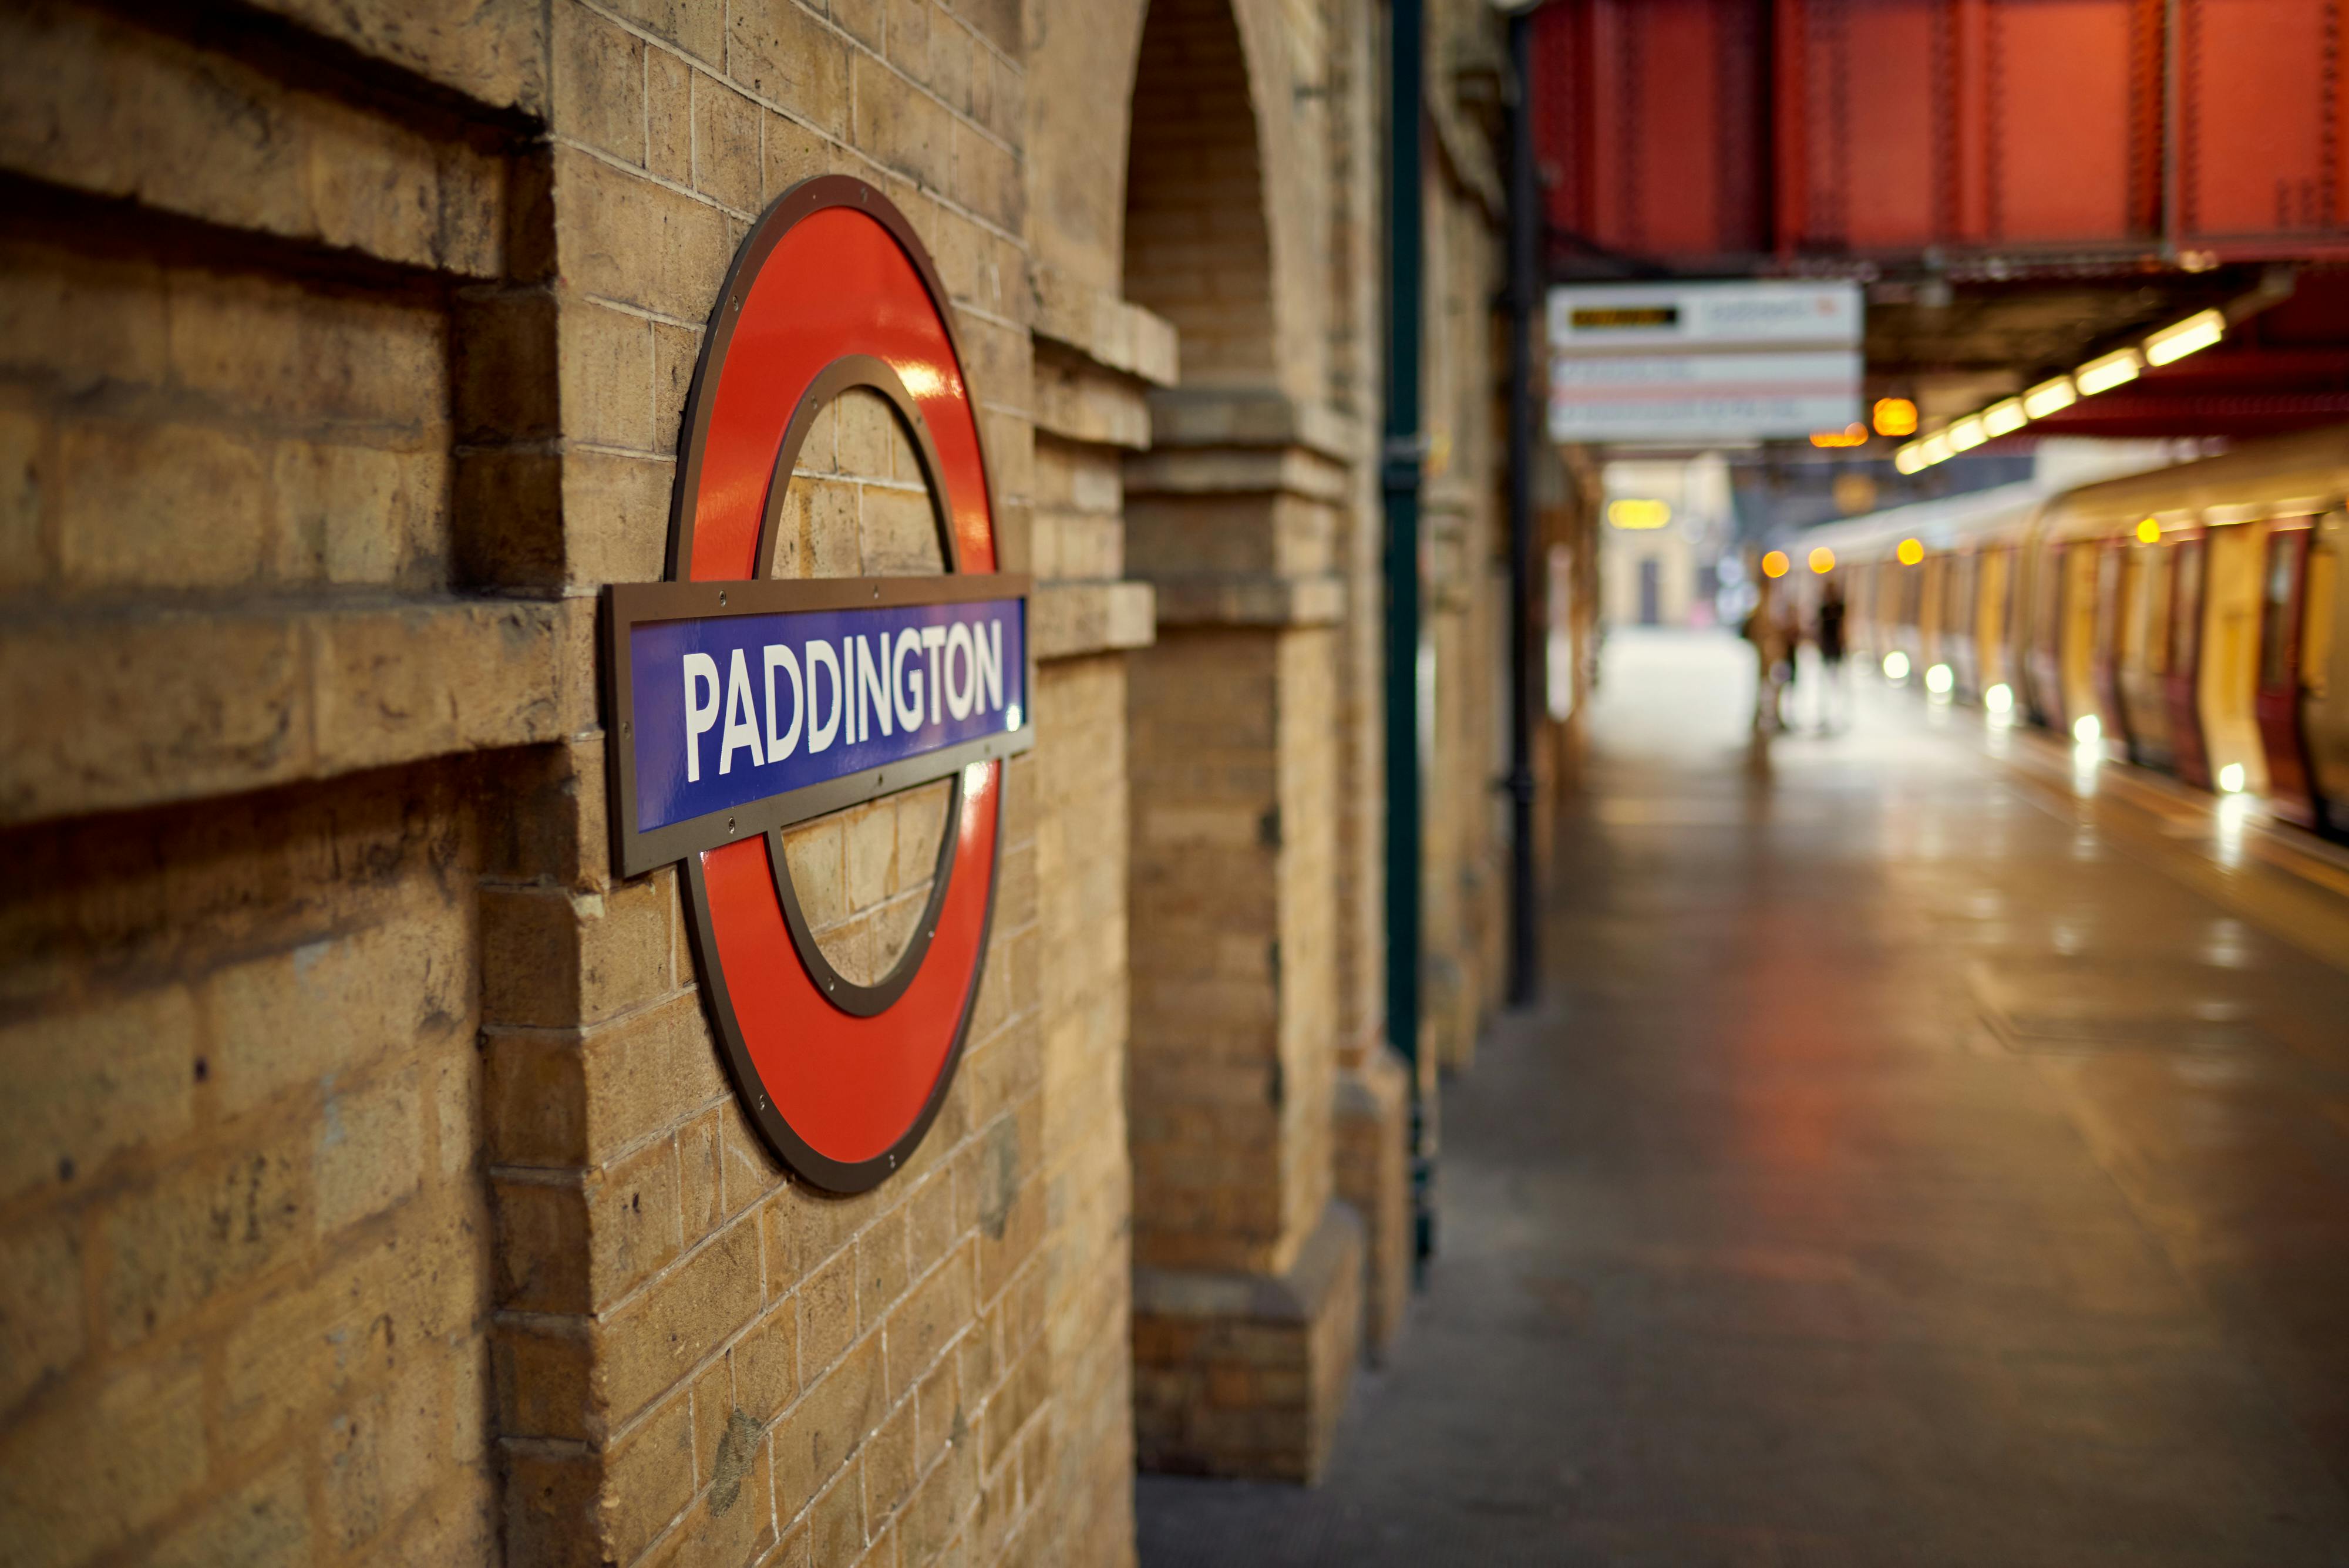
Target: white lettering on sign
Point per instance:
(839, 693)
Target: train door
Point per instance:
(2076, 634)
(2011, 624)
(2283, 746)
(2183, 664)
(2324, 672)
(2108, 623)
(2227, 684)
(1958, 630)
(2045, 666)
(2145, 649)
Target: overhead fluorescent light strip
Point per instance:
(2197, 331)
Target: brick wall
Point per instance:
(375, 1181)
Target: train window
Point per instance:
(2275, 613)
(2185, 604)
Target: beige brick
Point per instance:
(779, 1224)
(615, 510)
(334, 1005)
(784, 54)
(24, 542)
(696, 28)
(881, 1274)
(84, 1086)
(41, 1328)
(920, 1329)
(676, 351)
(162, 506)
(766, 1365)
(890, 1463)
(907, 131)
(792, 153)
(678, 1319)
(702, 1184)
(726, 151)
(379, 1457)
(550, 960)
(606, 359)
(393, 1302)
(560, 1097)
(633, 1222)
(87, 1474)
(909, 26)
(669, 116)
(749, 1171)
(836, 1523)
(264, 1524)
(370, 1149)
(599, 83)
(628, 240)
(201, 1226)
(827, 1313)
(649, 1476)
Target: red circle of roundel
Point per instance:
(832, 271)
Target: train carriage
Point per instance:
(2185, 619)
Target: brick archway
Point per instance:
(1247, 1281)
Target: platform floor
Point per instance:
(1930, 1151)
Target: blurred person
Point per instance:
(1835, 685)
(1765, 630)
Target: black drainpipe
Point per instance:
(1399, 479)
(1525, 434)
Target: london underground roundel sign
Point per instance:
(738, 704)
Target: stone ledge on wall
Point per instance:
(1249, 417)
(1250, 598)
(144, 703)
(1112, 333)
(1075, 618)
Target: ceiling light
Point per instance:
(2198, 330)
(2049, 397)
(1910, 458)
(2106, 371)
(1936, 447)
(2005, 417)
(1967, 434)
(1894, 417)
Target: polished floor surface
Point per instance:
(1932, 1149)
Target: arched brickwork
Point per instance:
(1197, 250)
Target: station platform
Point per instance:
(1932, 1148)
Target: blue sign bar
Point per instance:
(729, 709)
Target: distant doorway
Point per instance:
(1651, 592)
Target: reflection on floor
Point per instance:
(1932, 1149)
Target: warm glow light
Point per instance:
(1999, 698)
(2004, 418)
(2106, 371)
(1774, 564)
(1967, 434)
(1896, 666)
(1936, 447)
(1636, 514)
(2049, 397)
(2231, 778)
(1939, 678)
(2198, 330)
(1821, 560)
(2149, 532)
(1910, 458)
(1850, 435)
(1894, 417)
(1911, 552)
(2088, 729)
